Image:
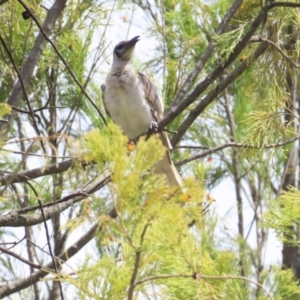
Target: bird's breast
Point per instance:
(128, 107)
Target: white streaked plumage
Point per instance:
(133, 103)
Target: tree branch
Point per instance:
(50, 248)
(198, 276)
(39, 172)
(15, 286)
(284, 4)
(18, 218)
(175, 110)
(211, 96)
(204, 57)
(17, 256)
(138, 253)
(277, 47)
(236, 145)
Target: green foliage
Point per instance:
(264, 123)
(281, 283)
(4, 109)
(227, 41)
(150, 241)
(150, 246)
(183, 42)
(16, 33)
(284, 215)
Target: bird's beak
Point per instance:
(131, 43)
(127, 50)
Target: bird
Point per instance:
(133, 103)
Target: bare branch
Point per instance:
(39, 172)
(50, 248)
(14, 174)
(191, 147)
(15, 286)
(198, 276)
(236, 170)
(277, 47)
(39, 155)
(236, 145)
(284, 4)
(138, 253)
(17, 256)
(18, 218)
(211, 96)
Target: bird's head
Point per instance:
(123, 50)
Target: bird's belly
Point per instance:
(129, 110)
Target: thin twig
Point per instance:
(8, 243)
(81, 193)
(277, 47)
(236, 145)
(199, 276)
(136, 264)
(39, 155)
(17, 243)
(22, 259)
(49, 247)
(36, 138)
(236, 176)
(18, 218)
(50, 107)
(15, 286)
(55, 168)
(191, 147)
(25, 112)
(12, 177)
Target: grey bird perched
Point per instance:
(133, 103)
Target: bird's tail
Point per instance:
(166, 166)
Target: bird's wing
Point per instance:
(152, 97)
(155, 103)
(103, 98)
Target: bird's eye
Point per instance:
(119, 50)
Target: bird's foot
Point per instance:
(153, 127)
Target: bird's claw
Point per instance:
(153, 127)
